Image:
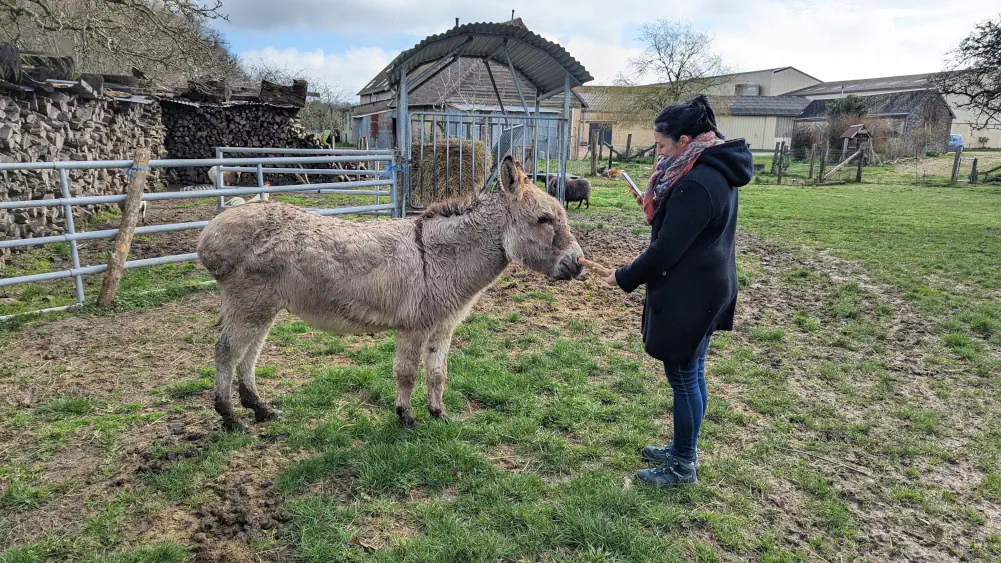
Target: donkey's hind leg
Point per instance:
(405, 368)
(436, 368)
(242, 321)
(248, 384)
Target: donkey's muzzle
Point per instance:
(568, 268)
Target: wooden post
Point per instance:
(782, 158)
(823, 164)
(813, 157)
(973, 172)
(130, 216)
(844, 150)
(594, 153)
(610, 152)
(955, 166)
(861, 161)
(629, 144)
(601, 148)
(775, 157)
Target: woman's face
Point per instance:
(667, 146)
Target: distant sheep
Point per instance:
(577, 189)
(142, 209)
(228, 178)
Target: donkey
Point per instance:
(420, 277)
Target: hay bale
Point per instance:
(448, 186)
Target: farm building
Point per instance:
(900, 123)
(456, 85)
(761, 120)
(753, 105)
(963, 124)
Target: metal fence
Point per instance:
(453, 154)
(381, 178)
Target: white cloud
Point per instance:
(845, 40)
(350, 71)
(848, 39)
(603, 60)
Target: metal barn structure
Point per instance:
(450, 144)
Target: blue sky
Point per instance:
(346, 42)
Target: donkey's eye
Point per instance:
(546, 220)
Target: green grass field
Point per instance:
(854, 414)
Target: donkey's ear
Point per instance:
(510, 176)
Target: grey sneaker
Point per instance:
(674, 472)
(660, 455)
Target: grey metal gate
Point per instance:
(454, 154)
(378, 181)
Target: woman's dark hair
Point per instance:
(691, 117)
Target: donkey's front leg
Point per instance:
(405, 367)
(436, 369)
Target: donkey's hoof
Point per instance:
(405, 418)
(441, 415)
(267, 413)
(233, 425)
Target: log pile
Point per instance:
(58, 126)
(194, 130)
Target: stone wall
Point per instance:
(58, 127)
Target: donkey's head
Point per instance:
(537, 233)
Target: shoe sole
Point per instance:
(652, 484)
(646, 457)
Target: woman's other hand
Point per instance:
(610, 280)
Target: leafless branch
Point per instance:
(973, 74)
(168, 39)
(677, 62)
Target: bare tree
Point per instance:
(169, 40)
(973, 74)
(677, 62)
(325, 110)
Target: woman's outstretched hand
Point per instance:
(607, 274)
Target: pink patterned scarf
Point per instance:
(669, 169)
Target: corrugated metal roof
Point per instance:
(496, 109)
(912, 81)
(780, 106)
(543, 62)
(881, 105)
(615, 99)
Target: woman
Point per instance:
(689, 269)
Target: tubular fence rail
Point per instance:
(379, 180)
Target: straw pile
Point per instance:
(436, 176)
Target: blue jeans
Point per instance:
(688, 381)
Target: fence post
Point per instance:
(130, 216)
(861, 161)
(64, 187)
(594, 154)
(813, 157)
(973, 172)
(955, 166)
(823, 164)
(775, 157)
(219, 179)
(781, 161)
(611, 151)
(601, 149)
(629, 143)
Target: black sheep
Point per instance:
(577, 189)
